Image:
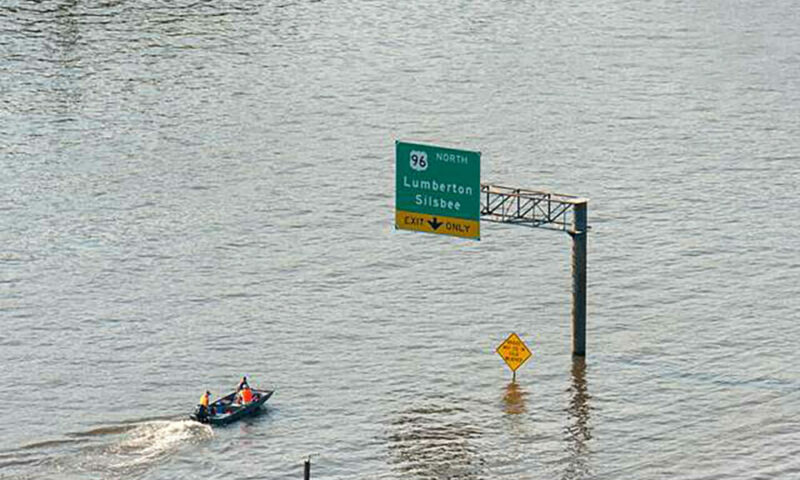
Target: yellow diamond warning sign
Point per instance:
(514, 351)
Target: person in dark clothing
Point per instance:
(242, 384)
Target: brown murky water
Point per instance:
(192, 191)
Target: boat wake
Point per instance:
(153, 441)
(125, 450)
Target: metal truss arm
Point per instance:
(530, 208)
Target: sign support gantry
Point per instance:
(553, 211)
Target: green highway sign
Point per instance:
(437, 189)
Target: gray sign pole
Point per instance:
(579, 227)
(549, 210)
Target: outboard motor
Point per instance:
(200, 414)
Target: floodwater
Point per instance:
(192, 191)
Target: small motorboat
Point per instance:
(227, 410)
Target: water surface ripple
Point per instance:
(191, 191)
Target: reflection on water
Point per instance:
(64, 38)
(514, 399)
(578, 431)
(435, 442)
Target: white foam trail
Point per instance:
(154, 440)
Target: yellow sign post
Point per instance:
(514, 352)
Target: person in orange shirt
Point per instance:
(245, 395)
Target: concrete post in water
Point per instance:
(579, 234)
(307, 469)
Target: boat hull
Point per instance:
(225, 411)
